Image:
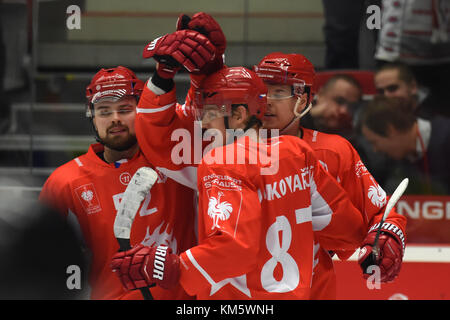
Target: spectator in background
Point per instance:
(336, 110)
(398, 80)
(334, 106)
(418, 145)
(417, 33)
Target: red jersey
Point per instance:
(256, 231)
(177, 149)
(91, 189)
(162, 115)
(342, 161)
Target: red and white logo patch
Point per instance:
(360, 169)
(219, 210)
(88, 198)
(376, 194)
(224, 200)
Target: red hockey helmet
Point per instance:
(112, 84)
(292, 69)
(232, 86)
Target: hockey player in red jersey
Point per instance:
(158, 111)
(290, 78)
(256, 228)
(89, 188)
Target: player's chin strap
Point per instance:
(226, 122)
(296, 116)
(90, 115)
(97, 137)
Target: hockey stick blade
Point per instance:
(136, 191)
(391, 203)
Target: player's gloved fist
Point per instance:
(208, 26)
(186, 48)
(391, 245)
(144, 266)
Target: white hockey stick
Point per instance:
(391, 203)
(137, 189)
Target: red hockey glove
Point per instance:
(186, 48)
(208, 26)
(143, 266)
(391, 245)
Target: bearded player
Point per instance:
(89, 188)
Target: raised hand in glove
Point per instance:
(144, 266)
(208, 26)
(391, 248)
(184, 48)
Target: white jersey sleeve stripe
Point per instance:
(303, 215)
(199, 268)
(239, 282)
(156, 90)
(155, 110)
(78, 161)
(186, 176)
(321, 211)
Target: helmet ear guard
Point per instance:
(308, 105)
(305, 110)
(298, 88)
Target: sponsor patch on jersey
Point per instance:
(360, 169)
(220, 190)
(224, 181)
(88, 198)
(219, 209)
